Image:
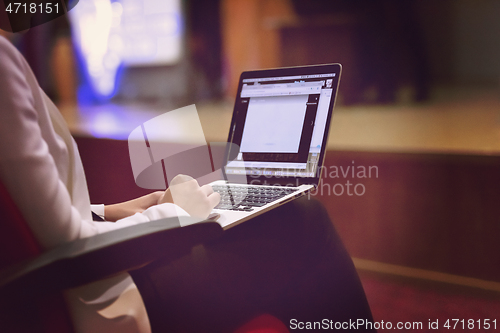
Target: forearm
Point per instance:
(118, 211)
(125, 209)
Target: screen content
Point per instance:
(281, 125)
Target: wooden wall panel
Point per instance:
(438, 212)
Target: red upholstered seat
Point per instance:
(17, 243)
(16, 240)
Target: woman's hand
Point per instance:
(129, 208)
(185, 192)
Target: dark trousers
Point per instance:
(289, 262)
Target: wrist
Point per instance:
(113, 213)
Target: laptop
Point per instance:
(277, 139)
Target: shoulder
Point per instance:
(16, 76)
(11, 59)
(7, 49)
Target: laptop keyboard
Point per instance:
(244, 198)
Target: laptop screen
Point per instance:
(281, 123)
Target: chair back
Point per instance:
(17, 244)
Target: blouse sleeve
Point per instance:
(29, 170)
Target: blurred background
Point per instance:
(419, 99)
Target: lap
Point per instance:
(288, 262)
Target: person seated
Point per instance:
(289, 262)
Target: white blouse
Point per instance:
(41, 168)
